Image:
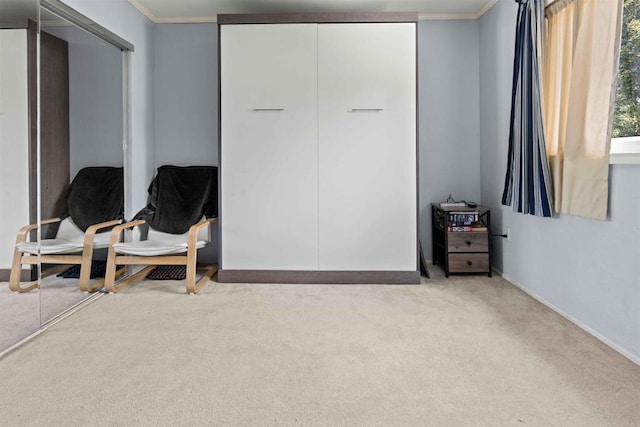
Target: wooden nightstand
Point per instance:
(461, 239)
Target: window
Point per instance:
(625, 145)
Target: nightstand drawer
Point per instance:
(468, 263)
(468, 242)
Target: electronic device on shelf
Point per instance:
(451, 203)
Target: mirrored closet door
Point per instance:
(19, 312)
(63, 110)
(81, 154)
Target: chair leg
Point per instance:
(206, 277)
(87, 287)
(85, 275)
(192, 286)
(16, 273)
(113, 288)
(110, 272)
(110, 280)
(190, 278)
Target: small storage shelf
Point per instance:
(460, 236)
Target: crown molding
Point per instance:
(187, 20)
(213, 19)
(146, 12)
(484, 9)
(445, 16)
(457, 16)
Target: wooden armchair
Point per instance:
(95, 201)
(159, 249)
(71, 246)
(180, 200)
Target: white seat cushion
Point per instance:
(159, 243)
(50, 246)
(69, 239)
(154, 247)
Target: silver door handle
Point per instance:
(355, 110)
(268, 109)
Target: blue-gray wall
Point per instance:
(587, 270)
(186, 94)
(449, 121)
(95, 100)
(186, 100)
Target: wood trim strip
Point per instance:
(318, 18)
(319, 277)
(417, 147)
(32, 79)
(5, 274)
(220, 124)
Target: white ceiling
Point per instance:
(174, 11)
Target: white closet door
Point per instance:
(367, 146)
(14, 139)
(269, 163)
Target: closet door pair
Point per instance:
(318, 147)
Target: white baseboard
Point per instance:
(633, 357)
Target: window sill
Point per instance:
(625, 151)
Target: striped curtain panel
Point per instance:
(527, 186)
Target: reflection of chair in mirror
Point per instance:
(95, 203)
(178, 220)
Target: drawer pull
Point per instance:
(469, 263)
(468, 243)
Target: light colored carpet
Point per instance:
(464, 351)
(21, 314)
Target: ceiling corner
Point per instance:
(146, 12)
(485, 8)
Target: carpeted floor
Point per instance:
(463, 351)
(21, 314)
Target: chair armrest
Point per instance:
(22, 233)
(115, 233)
(90, 234)
(192, 237)
(92, 229)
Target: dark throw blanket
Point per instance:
(96, 195)
(179, 196)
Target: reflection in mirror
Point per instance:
(81, 126)
(19, 313)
